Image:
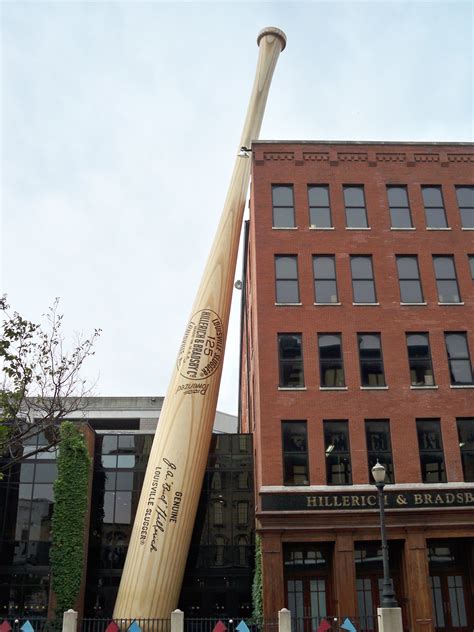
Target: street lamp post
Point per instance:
(388, 594)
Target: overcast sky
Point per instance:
(120, 124)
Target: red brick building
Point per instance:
(357, 345)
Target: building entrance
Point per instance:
(451, 585)
(307, 586)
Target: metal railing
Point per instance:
(101, 625)
(231, 624)
(39, 624)
(332, 624)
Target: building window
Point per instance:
(379, 447)
(242, 513)
(290, 360)
(356, 214)
(371, 361)
(446, 281)
(330, 360)
(434, 207)
(363, 284)
(419, 359)
(458, 357)
(325, 285)
(286, 276)
(465, 197)
(338, 454)
(466, 445)
(218, 510)
(471, 265)
(430, 446)
(319, 208)
(295, 453)
(399, 207)
(283, 206)
(409, 279)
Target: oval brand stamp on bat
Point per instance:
(200, 354)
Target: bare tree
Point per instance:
(41, 381)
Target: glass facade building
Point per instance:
(220, 564)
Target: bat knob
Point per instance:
(272, 30)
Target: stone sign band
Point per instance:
(413, 499)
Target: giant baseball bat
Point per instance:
(156, 558)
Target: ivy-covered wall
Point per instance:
(257, 587)
(68, 521)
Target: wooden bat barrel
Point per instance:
(156, 558)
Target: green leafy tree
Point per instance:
(257, 586)
(68, 521)
(40, 381)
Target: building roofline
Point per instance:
(365, 142)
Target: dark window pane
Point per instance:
(290, 346)
(397, 196)
(46, 472)
(283, 218)
(319, 209)
(407, 267)
(448, 292)
(326, 291)
(354, 196)
(294, 436)
(466, 446)
(290, 360)
(410, 292)
(364, 292)
(419, 358)
(286, 267)
(432, 196)
(418, 346)
(318, 195)
(446, 281)
(466, 205)
(356, 218)
(283, 208)
(295, 456)
(467, 217)
(338, 457)
(320, 217)
(287, 292)
(26, 472)
(325, 286)
(330, 346)
(324, 268)
(444, 267)
(456, 345)
(399, 207)
(379, 447)
(286, 274)
(371, 363)
(465, 196)
(330, 360)
(361, 267)
(461, 372)
(436, 218)
(282, 195)
(471, 265)
(431, 450)
(125, 480)
(369, 346)
(400, 217)
(459, 359)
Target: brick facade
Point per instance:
(265, 405)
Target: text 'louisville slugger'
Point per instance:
(156, 558)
